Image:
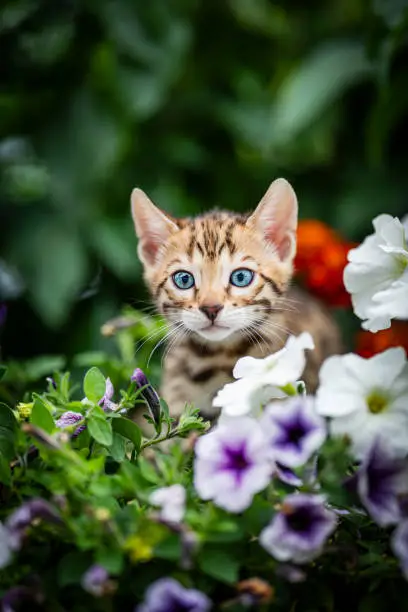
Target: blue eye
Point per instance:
(242, 277)
(183, 279)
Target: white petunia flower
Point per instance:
(171, 501)
(260, 380)
(377, 274)
(366, 398)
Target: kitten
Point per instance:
(222, 281)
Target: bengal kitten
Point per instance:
(222, 281)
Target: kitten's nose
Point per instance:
(211, 311)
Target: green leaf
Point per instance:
(219, 565)
(100, 429)
(118, 447)
(3, 370)
(8, 427)
(54, 263)
(94, 385)
(72, 567)
(129, 430)
(41, 416)
(112, 560)
(4, 470)
(316, 84)
(170, 548)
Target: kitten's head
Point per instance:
(221, 273)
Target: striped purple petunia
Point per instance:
(232, 464)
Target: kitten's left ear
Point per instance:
(276, 218)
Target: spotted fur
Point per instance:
(253, 320)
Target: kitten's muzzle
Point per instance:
(211, 312)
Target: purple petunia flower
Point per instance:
(300, 529)
(232, 464)
(69, 418)
(294, 430)
(106, 400)
(15, 597)
(95, 580)
(168, 595)
(287, 475)
(148, 393)
(399, 545)
(381, 482)
(19, 520)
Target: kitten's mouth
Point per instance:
(213, 327)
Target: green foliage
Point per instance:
(98, 481)
(100, 97)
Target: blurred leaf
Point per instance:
(94, 385)
(129, 430)
(118, 447)
(115, 242)
(392, 11)
(314, 85)
(54, 263)
(8, 426)
(219, 565)
(72, 567)
(41, 417)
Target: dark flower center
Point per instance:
(300, 519)
(296, 433)
(236, 461)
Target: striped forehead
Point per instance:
(211, 237)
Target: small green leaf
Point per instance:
(3, 370)
(94, 385)
(4, 469)
(112, 560)
(41, 416)
(129, 430)
(7, 418)
(118, 447)
(72, 567)
(100, 429)
(8, 426)
(219, 565)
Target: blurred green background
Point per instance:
(199, 102)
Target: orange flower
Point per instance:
(369, 344)
(320, 261)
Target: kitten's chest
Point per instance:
(194, 373)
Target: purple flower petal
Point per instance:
(294, 430)
(232, 464)
(287, 475)
(399, 545)
(382, 482)
(300, 529)
(69, 418)
(168, 595)
(95, 580)
(148, 393)
(105, 401)
(19, 520)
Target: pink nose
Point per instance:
(211, 311)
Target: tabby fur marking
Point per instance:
(214, 322)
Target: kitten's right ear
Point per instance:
(152, 226)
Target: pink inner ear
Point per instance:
(150, 249)
(284, 247)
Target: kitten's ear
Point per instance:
(276, 218)
(153, 227)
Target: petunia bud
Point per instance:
(148, 393)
